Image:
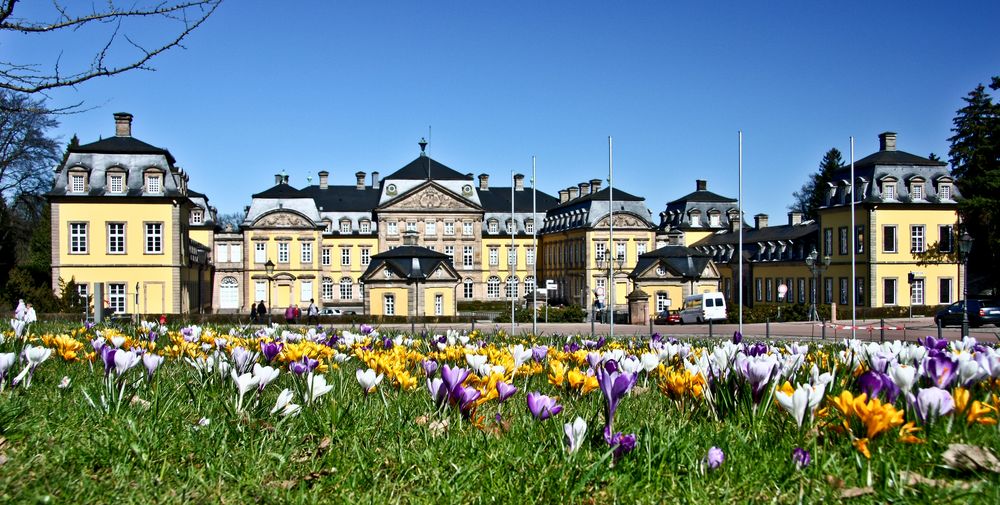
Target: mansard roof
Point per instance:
(425, 167)
(497, 199)
(121, 145)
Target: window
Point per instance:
(449, 250)
(828, 241)
(758, 289)
(438, 305)
(859, 291)
(800, 284)
(620, 251)
(789, 295)
(366, 256)
(768, 289)
(713, 220)
(345, 227)
(326, 289)
(260, 290)
(494, 256)
(431, 228)
(529, 226)
(392, 228)
(844, 246)
(467, 288)
(512, 286)
(946, 240)
(327, 226)
(467, 229)
(197, 217)
(389, 305)
(889, 239)
(449, 228)
(859, 239)
(844, 293)
(346, 288)
(493, 226)
(509, 226)
(529, 285)
(529, 256)
(116, 183)
(640, 248)
(511, 256)
(944, 290)
(283, 252)
(366, 226)
(889, 291)
(917, 191)
(307, 252)
(917, 238)
(944, 191)
(260, 252)
(83, 291)
(221, 252)
(306, 291)
(153, 184)
(695, 218)
(324, 256)
(235, 252)
(467, 252)
(154, 238)
(116, 297)
(493, 287)
(78, 238)
(600, 251)
(917, 292)
(411, 226)
(662, 302)
(828, 290)
(77, 183)
(116, 238)
(888, 190)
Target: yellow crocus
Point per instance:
(556, 373)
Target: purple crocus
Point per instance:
(614, 385)
(453, 379)
(874, 383)
(931, 403)
(270, 350)
(714, 458)
(505, 391)
(366, 329)
(737, 337)
(934, 344)
(571, 347)
(467, 397)
(801, 457)
(758, 372)
(539, 352)
(542, 406)
(302, 366)
(430, 367)
(940, 369)
(621, 444)
(438, 390)
(108, 356)
(151, 362)
(594, 359)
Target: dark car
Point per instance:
(981, 311)
(668, 317)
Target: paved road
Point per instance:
(895, 329)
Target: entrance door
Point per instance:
(229, 293)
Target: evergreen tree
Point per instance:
(812, 196)
(975, 161)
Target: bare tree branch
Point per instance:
(185, 16)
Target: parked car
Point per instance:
(668, 317)
(981, 311)
(330, 311)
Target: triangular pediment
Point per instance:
(659, 270)
(430, 197)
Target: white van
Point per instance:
(704, 307)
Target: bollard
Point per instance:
(650, 327)
(938, 322)
(473, 323)
(822, 333)
(413, 327)
(881, 330)
(710, 333)
(767, 328)
(591, 322)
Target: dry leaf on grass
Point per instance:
(854, 492)
(438, 427)
(913, 479)
(971, 458)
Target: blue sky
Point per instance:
(345, 86)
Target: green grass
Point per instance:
(371, 449)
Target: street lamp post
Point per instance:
(816, 268)
(269, 268)
(964, 247)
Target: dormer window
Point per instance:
(917, 191)
(494, 226)
(695, 218)
(889, 190)
(510, 226)
(154, 183)
(529, 226)
(327, 226)
(714, 219)
(197, 216)
(366, 226)
(345, 226)
(116, 183)
(77, 183)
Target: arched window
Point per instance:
(229, 293)
(529, 285)
(493, 287)
(346, 288)
(327, 289)
(512, 286)
(467, 288)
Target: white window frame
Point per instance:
(449, 228)
(153, 237)
(430, 228)
(260, 291)
(324, 256)
(917, 191)
(306, 253)
(529, 256)
(392, 228)
(326, 289)
(888, 190)
(918, 238)
(950, 290)
(467, 228)
(306, 291)
(118, 297)
(411, 226)
(116, 183)
(366, 226)
(661, 302)
(886, 299)
(389, 304)
(917, 291)
(346, 290)
(468, 288)
(260, 252)
(366, 256)
(79, 238)
(77, 183)
(438, 304)
(894, 246)
(154, 184)
(529, 226)
(944, 191)
(283, 254)
(493, 287)
(116, 236)
(494, 256)
(197, 217)
(493, 226)
(345, 256)
(468, 253)
(345, 227)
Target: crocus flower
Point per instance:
(453, 378)
(542, 406)
(438, 390)
(366, 329)
(801, 457)
(316, 386)
(242, 358)
(6, 361)
(940, 369)
(264, 374)
(873, 383)
(125, 360)
(758, 371)
(970, 372)
(270, 350)
(107, 354)
(505, 391)
(904, 376)
(714, 458)
(930, 403)
(621, 444)
(575, 432)
(467, 397)
(737, 338)
(934, 344)
(613, 385)
(18, 326)
(300, 366)
(285, 405)
(368, 379)
(430, 367)
(151, 362)
(539, 352)
(244, 383)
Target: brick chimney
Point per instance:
(595, 185)
(484, 182)
(760, 221)
(573, 192)
(584, 188)
(701, 185)
(518, 182)
(374, 179)
(887, 141)
(324, 179)
(123, 124)
(360, 179)
(563, 196)
(278, 179)
(794, 218)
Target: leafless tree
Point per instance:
(122, 34)
(27, 155)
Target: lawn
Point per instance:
(92, 424)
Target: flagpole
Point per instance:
(534, 251)
(611, 238)
(854, 251)
(511, 255)
(739, 250)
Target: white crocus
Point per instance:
(630, 364)
(118, 341)
(18, 326)
(264, 374)
(284, 404)
(341, 357)
(649, 361)
(575, 433)
(970, 372)
(904, 376)
(35, 355)
(124, 360)
(520, 355)
(475, 361)
(316, 386)
(368, 379)
(244, 383)
(804, 399)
